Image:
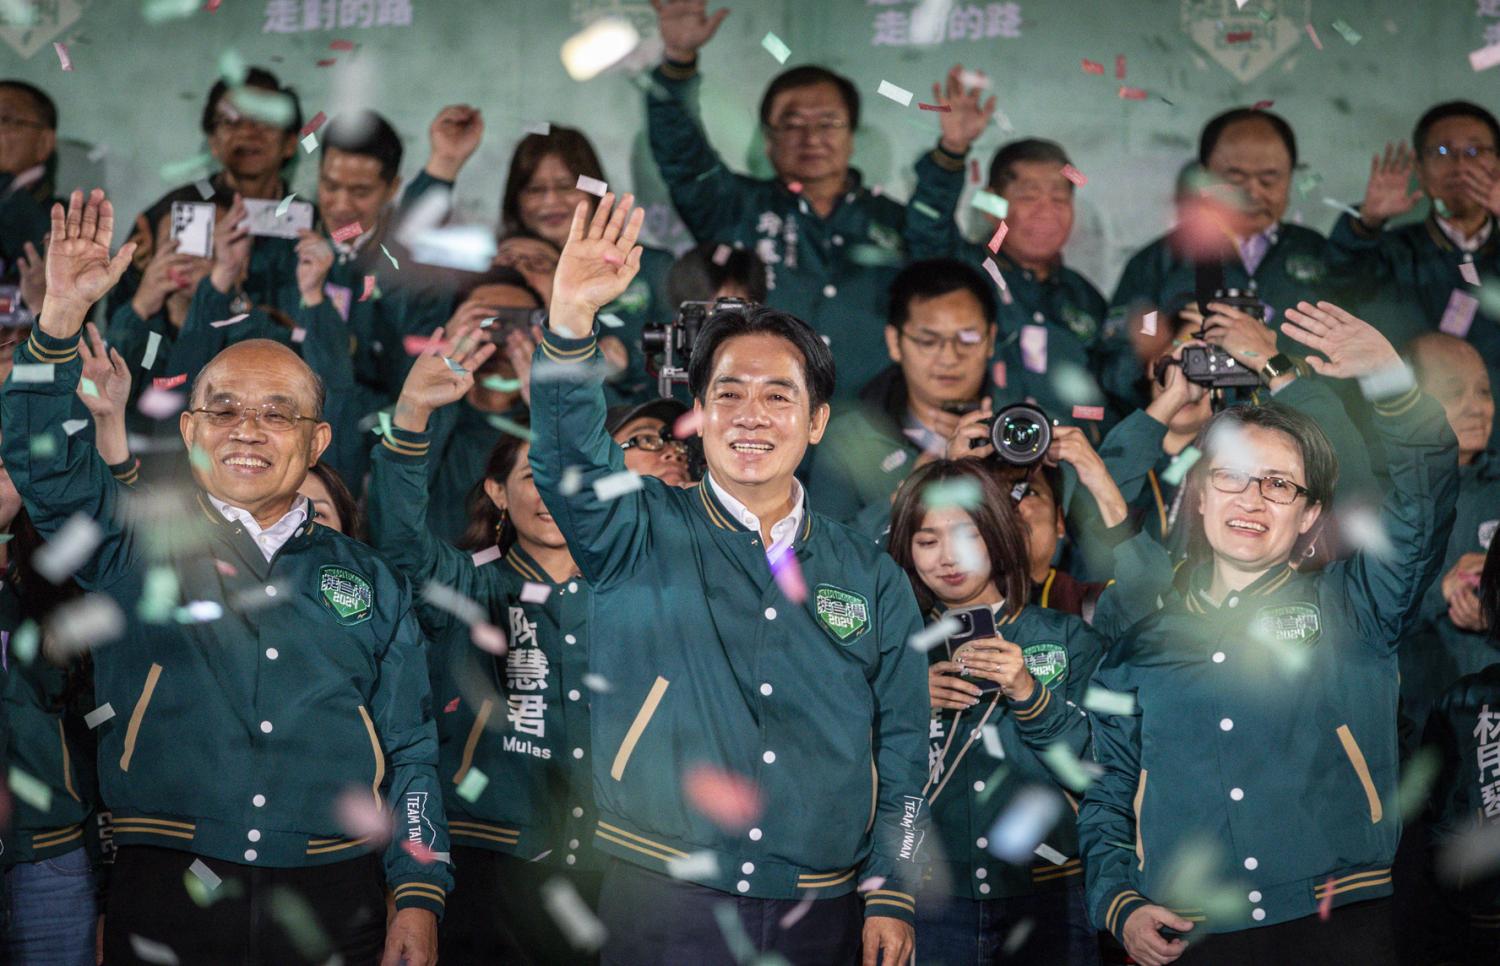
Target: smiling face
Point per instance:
(946, 540)
(1440, 172)
(249, 464)
(24, 140)
(351, 190)
(757, 418)
(668, 464)
(248, 148)
(1245, 530)
(809, 137)
(943, 348)
(1251, 156)
(548, 199)
(1040, 215)
(1453, 373)
(518, 496)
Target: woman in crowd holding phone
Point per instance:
(1006, 686)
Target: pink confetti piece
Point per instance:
(348, 232)
(1469, 271)
(999, 280)
(1132, 94)
(535, 593)
(225, 567)
(997, 375)
(1325, 905)
(488, 638)
(1095, 413)
(795, 187)
(369, 288)
(1093, 67)
(1119, 66)
(688, 424)
(1034, 347)
(419, 851)
(1262, 105)
(487, 555)
(795, 914)
(360, 814)
(1074, 175)
(974, 173)
(451, 706)
(1485, 57)
(788, 574)
(160, 404)
(998, 238)
(341, 45)
(730, 801)
(213, 5)
(62, 56)
(592, 186)
(299, 335)
(317, 121)
(1313, 33)
(328, 62)
(940, 108)
(232, 320)
(1239, 37)
(415, 345)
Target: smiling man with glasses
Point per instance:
(28, 171)
(830, 244)
(276, 732)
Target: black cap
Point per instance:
(666, 410)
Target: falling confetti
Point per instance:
(900, 95)
(592, 186)
(1349, 34)
(62, 56)
(149, 951)
(1093, 67)
(1025, 821)
(730, 801)
(934, 634)
(991, 203)
(1074, 175)
(616, 485)
(394, 264)
(473, 785)
(962, 492)
(233, 320)
(1312, 32)
(348, 232)
(572, 915)
(1148, 324)
(776, 47)
(1095, 413)
(1104, 701)
(535, 593)
(99, 715)
(30, 789)
(69, 548)
(788, 574)
(598, 47)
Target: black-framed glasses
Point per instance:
(1452, 152)
(1276, 489)
(652, 442)
(964, 343)
(272, 416)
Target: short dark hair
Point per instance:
(40, 102)
(568, 144)
(469, 282)
(937, 277)
(343, 501)
(367, 133)
(1216, 127)
(488, 525)
(726, 324)
(261, 79)
(995, 516)
(697, 275)
(1026, 149)
(807, 76)
(1446, 110)
(1489, 589)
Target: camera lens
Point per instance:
(1021, 434)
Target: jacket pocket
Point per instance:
(1361, 769)
(376, 749)
(133, 730)
(633, 736)
(1140, 843)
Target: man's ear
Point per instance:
(321, 437)
(893, 343)
(818, 424)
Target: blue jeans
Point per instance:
(50, 914)
(961, 932)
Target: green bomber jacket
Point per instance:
(1296, 675)
(244, 718)
(713, 677)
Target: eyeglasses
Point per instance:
(824, 128)
(964, 343)
(1449, 152)
(1273, 488)
(272, 416)
(12, 122)
(527, 262)
(652, 442)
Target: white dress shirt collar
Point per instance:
(783, 531)
(272, 538)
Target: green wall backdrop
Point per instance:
(131, 103)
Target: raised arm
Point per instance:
(931, 229)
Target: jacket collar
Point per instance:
(1444, 243)
(720, 518)
(1268, 583)
(526, 565)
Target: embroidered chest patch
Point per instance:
(844, 614)
(1288, 623)
(1047, 662)
(346, 593)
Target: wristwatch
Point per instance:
(1278, 365)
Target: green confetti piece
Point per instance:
(186, 168)
(1105, 701)
(1307, 182)
(385, 423)
(295, 916)
(394, 264)
(285, 203)
(990, 202)
(1442, 208)
(1489, 297)
(273, 108)
(30, 789)
(198, 891)
(1347, 32)
(926, 209)
(199, 458)
(43, 446)
(160, 11)
(1066, 766)
(992, 783)
(23, 643)
(506, 426)
(963, 492)
(158, 596)
(473, 785)
(88, 387)
(776, 47)
(500, 385)
(6, 537)
(1416, 781)
(1180, 464)
(873, 256)
(232, 67)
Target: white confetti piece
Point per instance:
(572, 915)
(310, 143)
(487, 555)
(488, 638)
(610, 320)
(934, 634)
(204, 874)
(1148, 324)
(205, 189)
(1105, 701)
(992, 745)
(1020, 828)
(571, 482)
(153, 343)
(598, 47)
(151, 951)
(616, 485)
(1365, 531)
(34, 372)
(776, 47)
(1034, 347)
(71, 426)
(698, 865)
(535, 593)
(99, 715)
(86, 623)
(1072, 772)
(597, 682)
(721, 255)
(592, 186)
(1485, 57)
(229, 321)
(893, 460)
(446, 598)
(973, 80)
(284, 204)
(542, 128)
(73, 544)
(1469, 271)
(1050, 854)
(159, 404)
(900, 95)
(200, 612)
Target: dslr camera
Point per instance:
(1020, 433)
(673, 341)
(1211, 366)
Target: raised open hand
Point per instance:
(966, 117)
(454, 136)
(442, 374)
(79, 268)
(107, 375)
(686, 26)
(597, 264)
(1353, 346)
(1387, 194)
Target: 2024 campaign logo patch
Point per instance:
(843, 613)
(1047, 661)
(1289, 623)
(346, 593)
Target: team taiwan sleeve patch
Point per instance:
(346, 593)
(843, 613)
